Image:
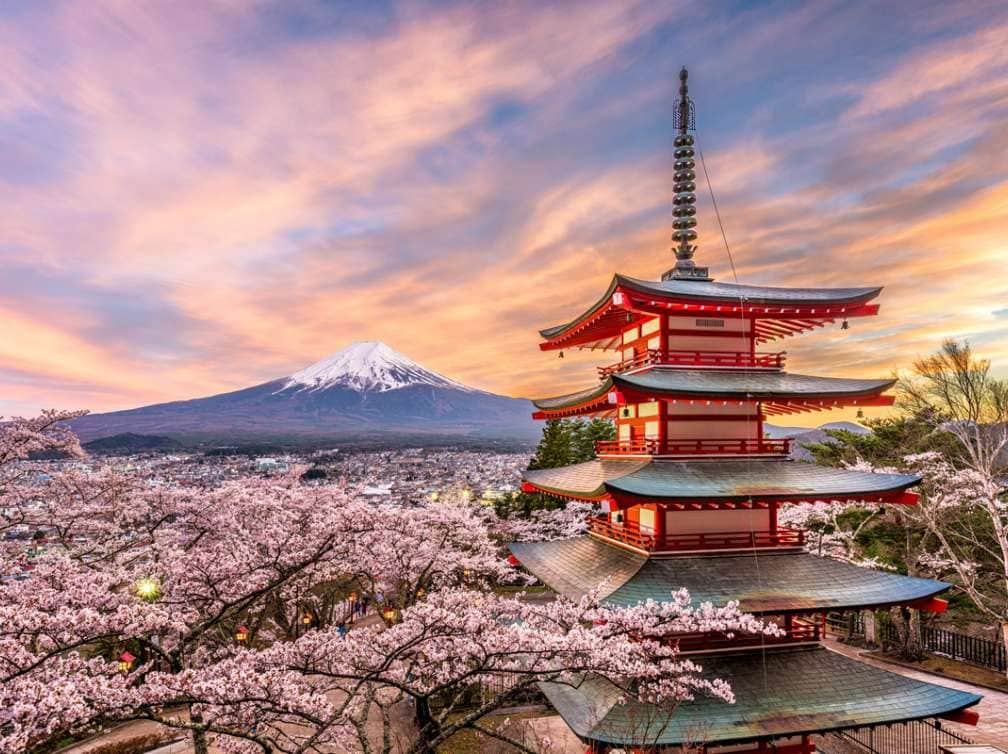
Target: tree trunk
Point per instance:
(1004, 639)
(868, 621)
(200, 743)
(427, 727)
(908, 627)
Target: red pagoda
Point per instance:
(690, 490)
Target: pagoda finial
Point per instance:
(684, 202)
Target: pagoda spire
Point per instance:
(684, 211)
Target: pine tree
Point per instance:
(554, 449)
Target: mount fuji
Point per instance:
(366, 392)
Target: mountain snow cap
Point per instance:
(367, 366)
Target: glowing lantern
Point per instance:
(148, 589)
(242, 634)
(306, 619)
(126, 662)
(389, 614)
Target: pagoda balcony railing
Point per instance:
(706, 447)
(798, 632)
(631, 534)
(714, 359)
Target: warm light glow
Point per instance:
(126, 662)
(431, 138)
(148, 589)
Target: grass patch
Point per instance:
(949, 668)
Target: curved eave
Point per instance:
(638, 386)
(583, 481)
(626, 492)
(591, 400)
(710, 484)
(814, 691)
(601, 323)
(768, 583)
(616, 389)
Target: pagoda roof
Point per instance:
(768, 583)
(716, 479)
(707, 384)
(783, 692)
(726, 294)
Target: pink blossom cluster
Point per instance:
(232, 602)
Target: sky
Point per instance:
(202, 196)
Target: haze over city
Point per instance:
(205, 196)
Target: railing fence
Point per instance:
(915, 737)
(974, 650)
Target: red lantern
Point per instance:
(126, 662)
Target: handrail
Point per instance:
(631, 534)
(733, 359)
(730, 446)
(800, 631)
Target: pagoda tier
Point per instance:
(723, 484)
(723, 391)
(764, 583)
(782, 695)
(769, 313)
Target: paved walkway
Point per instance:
(993, 725)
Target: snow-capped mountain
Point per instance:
(366, 392)
(367, 366)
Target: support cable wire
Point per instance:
(752, 334)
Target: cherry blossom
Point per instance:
(169, 573)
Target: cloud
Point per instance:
(199, 197)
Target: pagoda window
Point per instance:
(736, 429)
(702, 334)
(647, 409)
(646, 520)
(652, 325)
(701, 522)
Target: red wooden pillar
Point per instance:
(659, 526)
(662, 426)
(772, 511)
(663, 329)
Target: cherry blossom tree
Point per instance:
(153, 600)
(966, 511)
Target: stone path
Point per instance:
(993, 725)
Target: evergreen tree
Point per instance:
(564, 442)
(554, 449)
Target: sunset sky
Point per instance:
(202, 196)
